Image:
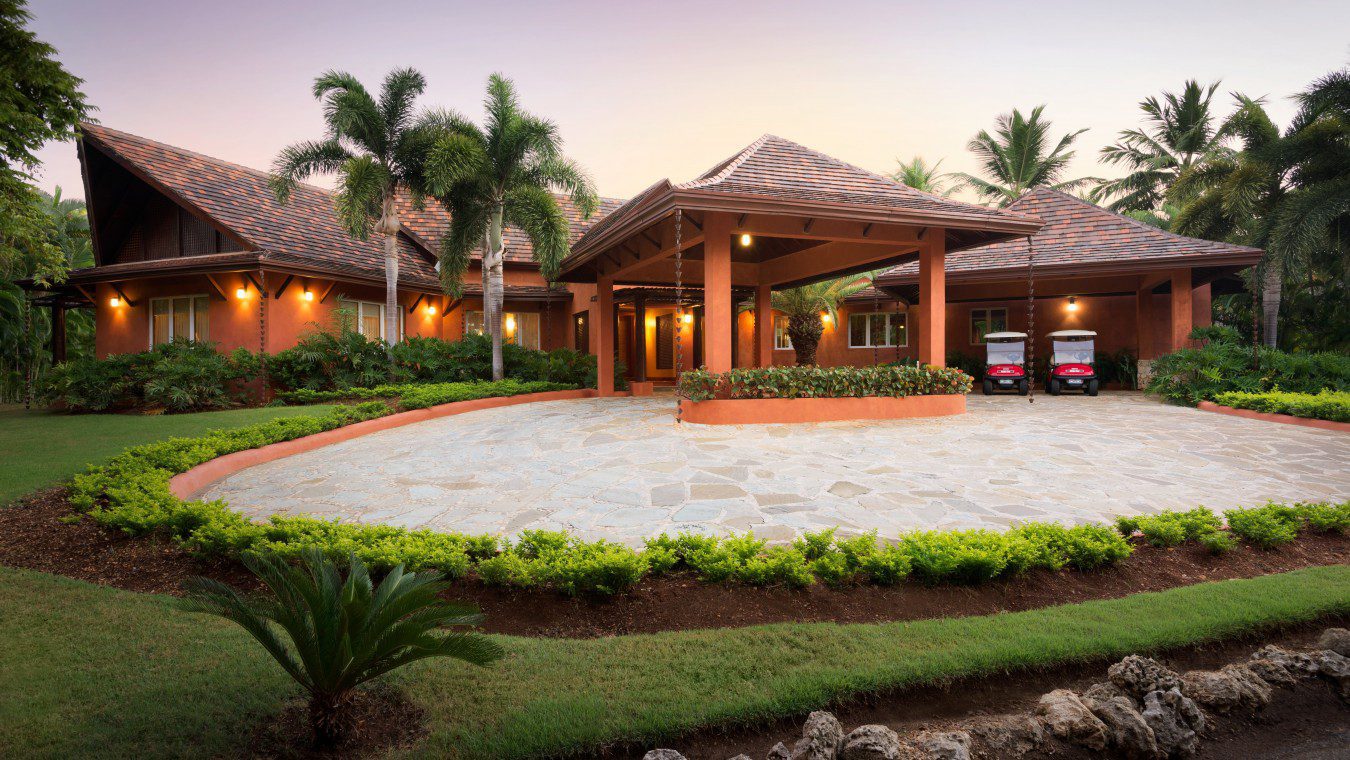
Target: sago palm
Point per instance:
(916, 173)
(376, 148)
(1179, 132)
(1018, 157)
(503, 174)
(804, 306)
(332, 635)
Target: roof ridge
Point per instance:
(728, 165)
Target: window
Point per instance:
(521, 328)
(781, 341)
(370, 319)
(184, 317)
(877, 329)
(985, 321)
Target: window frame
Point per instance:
(904, 319)
(379, 308)
(539, 331)
(781, 332)
(988, 313)
(192, 317)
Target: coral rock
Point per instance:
(1009, 734)
(780, 752)
(947, 745)
(663, 754)
(1140, 675)
(1130, 733)
(1175, 720)
(821, 738)
(872, 743)
(1223, 690)
(1068, 718)
(1335, 639)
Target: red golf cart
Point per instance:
(1071, 363)
(1004, 363)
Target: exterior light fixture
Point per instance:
(241, 293)
(114, 302)
(1073, 303)
(510, 323)
(688, 318)
(824, 319)
(309, 295)
(745, 240)
(431, 308)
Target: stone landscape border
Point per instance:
(1287, 419)
(185, 485)
(760, 411)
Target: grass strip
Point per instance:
(88, 670)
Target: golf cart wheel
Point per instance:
(1092, 388)
(1023, 387)
(1054, 387)
(988, 387)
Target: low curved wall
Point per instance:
(185, 485)
(1288, 419)
(759, 411)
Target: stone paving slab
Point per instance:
(621, 469)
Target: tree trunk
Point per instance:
(495, 291)
(330, 719)
(1271, 283)
(805, 330)
(389, 227)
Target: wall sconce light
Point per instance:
(510, 323)
(309, 295)
(688, 318)
(1073, 303)
(241, 293)
(745, 240)
(431, 308)
(114, 302)
(825, 319)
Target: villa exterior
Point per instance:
(190, 246)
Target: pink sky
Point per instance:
(645, 90)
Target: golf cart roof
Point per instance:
(1005, 336)
(1073, 334)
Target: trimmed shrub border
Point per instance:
(1287, 419)
(185, 485)
(742, 411)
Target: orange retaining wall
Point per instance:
(1288, 419)
(758, 411)
(187, 484)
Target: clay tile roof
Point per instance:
(305, 231)
(1078, 233)
(773, 166)
(433, 222)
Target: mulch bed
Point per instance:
(382, 719)
(35, 534)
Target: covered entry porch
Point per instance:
(776, 215)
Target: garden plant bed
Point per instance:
(1287, 419)
(763, 411)
(1304, 719)
(33, 535)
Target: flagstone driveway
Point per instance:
(621, 469)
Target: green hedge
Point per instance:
(180, 376)
(824, 382)
(1327, 405)
(419, 395)
(1224, 364)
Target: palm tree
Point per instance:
(332, 635)
(376, 148)
(503, 174)
(916, 173)
(1236, 197)
(804, 307)
(1018, 157)
(1179, 132)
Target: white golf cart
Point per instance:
(1005, 363)
(1071, 363)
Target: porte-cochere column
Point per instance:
(933, 298)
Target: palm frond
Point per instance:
(297, 163)
(534, 211)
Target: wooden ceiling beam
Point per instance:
(833, 230)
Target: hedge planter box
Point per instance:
(1288, 419)
(758, 411)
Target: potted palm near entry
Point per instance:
(805, 306)
(333, 634)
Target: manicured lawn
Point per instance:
(40, 448)
(87, 670)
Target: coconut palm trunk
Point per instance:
(389, 227)
(1271, 285)
(496, 291)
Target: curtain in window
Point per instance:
(159, 321)
(527, 329)
(201, 311)
(371, 322)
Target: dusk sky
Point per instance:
(646, 90)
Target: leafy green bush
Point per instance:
(1265, 527)
(1218, 542)
(180, 376)
(1324, 517)
(823, 382)
(1327, 405)
(1170, 528)
(421, 396)
(1222, 364)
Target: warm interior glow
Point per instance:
(1073, 304)
(309, 295)
(241, 293)
(688, 319)
(114, 302)
(510, 323)
(431, 308)
(745, 240)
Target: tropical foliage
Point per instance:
(805, 308)
(920, 175)
(377, 149)
(1223, 364)
(823, 382)
(1179, 132)
(333, 634)
(1327, 405)
(181, 376)
(503, 174)
(1021, 155)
